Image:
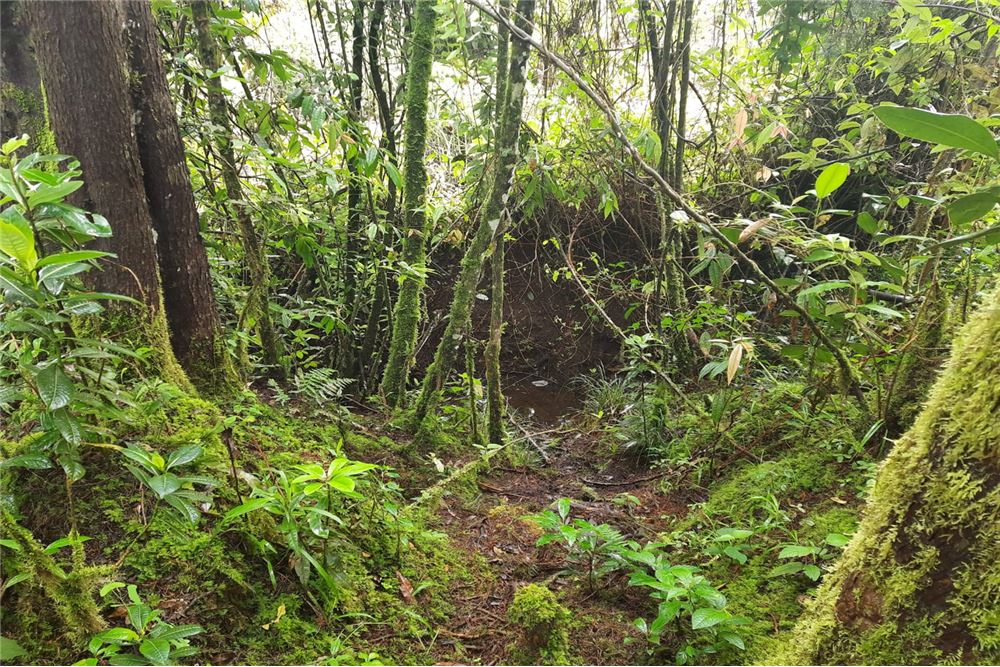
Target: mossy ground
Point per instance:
(434, 581)
(209, 574)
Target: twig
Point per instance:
(531, 439)
(629, 482)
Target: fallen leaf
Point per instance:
(405, 588)
(752, 229)
(277, 617)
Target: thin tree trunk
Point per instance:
(490, 226)
(258, 298)
(406, 314)
(494, 384)
(920, 580)
(196, 332)
(82, 61)
(682, 95)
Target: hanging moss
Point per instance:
(920, 579)
(406, 314)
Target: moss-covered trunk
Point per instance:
(490, 227)
(920, 580)
(406, 314)
(494, 387)
(258, 269)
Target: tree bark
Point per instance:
(82, 61)
(258, 299)
(22, 110)
(495, 412)
(196, 332)
(490, 225)
(920, 580)
(406, 314)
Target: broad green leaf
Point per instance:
(71, 257)
(973, 207)
(248, 506)
(953, 130)
(787, 568)
(797, 551)
(824, 287)
(10, 650)
(157, 651)
(182, 455)
(18, 242)
(33, 461)
(882, 310)
(44, 194)
(173, 633)
(164, 485)
(831, 178)
(812, 571)
(54, 387)
(707, 617)
(733, 639)
(837, 540)
(116, 636)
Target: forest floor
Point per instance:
(558, 451)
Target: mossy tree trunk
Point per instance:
(406, 313)
(920, 580)
(490, 226)
(258, 307)
(196, 332)
(82, 60)
(494, 388)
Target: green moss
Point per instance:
(922, 567)
(544, 624)
(406, 312)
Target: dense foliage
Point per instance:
(410, 331)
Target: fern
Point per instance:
(320, 385)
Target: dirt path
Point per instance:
(493, 526)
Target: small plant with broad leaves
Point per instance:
(807, 558)
(305, 507)
(161, 476)
(688, 604)
(732, 543)
(594, 549)
(148, 641)
(41, 356)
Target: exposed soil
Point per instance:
(493, 526)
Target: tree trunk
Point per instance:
(196, 332)
(406, 314)
(258, 300)
(22, 110)
(920, 580)
(494, 384)
(82, 61)
(490, 225)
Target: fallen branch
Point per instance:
(531, 439)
